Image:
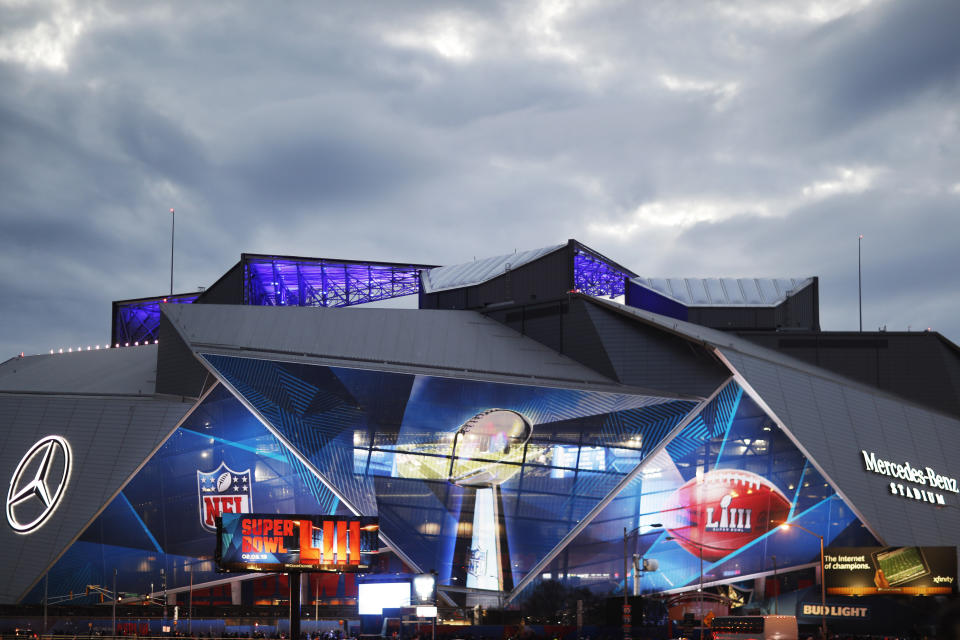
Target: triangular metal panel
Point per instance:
(110, 438)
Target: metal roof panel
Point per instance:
(478, 271)
(725, 292)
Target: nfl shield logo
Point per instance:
(223, 490)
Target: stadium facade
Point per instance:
(511, 429)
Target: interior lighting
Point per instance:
(136, 344)
(51, 350)
(61, 349)
(126, 344)
(69, 349)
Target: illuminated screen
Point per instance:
(377, 596)
(267, 542)
(917, 571)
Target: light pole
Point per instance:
(173, 226)
(626, 554)
(859, 283)
(114, 614)
(776, 586)
(823, 582)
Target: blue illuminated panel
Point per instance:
(595, 276)
(304, 282)
(278, 281)
(139, 320)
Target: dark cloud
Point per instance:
(733, 138)
(889, 56)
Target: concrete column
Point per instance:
(235, 592)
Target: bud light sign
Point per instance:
(269, 542)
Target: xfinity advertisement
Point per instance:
(918, 571)
(268, 542)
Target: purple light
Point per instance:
(274, 281)
(594, 276)
(139, 321)
(326, 283)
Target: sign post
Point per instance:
(294, 579)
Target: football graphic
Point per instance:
(223, 482)
(490, 437)
(723, 510)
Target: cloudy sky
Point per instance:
(737, 138)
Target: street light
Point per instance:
(654, 525)
(823, 582)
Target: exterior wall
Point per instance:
(228, 289)
(799, 311)
(178, 372)
(542, 279)
(617, 347)
(108, 436)
(917, 366)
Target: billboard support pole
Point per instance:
(823, 594)
(294, 579)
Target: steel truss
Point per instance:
(595, 276)
(138, 321)
(318, 282)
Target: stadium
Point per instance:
(547, 415)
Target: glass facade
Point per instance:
(481, 482)
(708, 508)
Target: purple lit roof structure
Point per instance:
(319, 282)
(269, 280)
(596, 275)
(280, 281)
(138, 321)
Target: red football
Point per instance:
(722, 511)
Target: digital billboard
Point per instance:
(270, 542)
(919, 571)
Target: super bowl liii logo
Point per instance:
(223, 490)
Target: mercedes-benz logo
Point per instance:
(38, 484)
